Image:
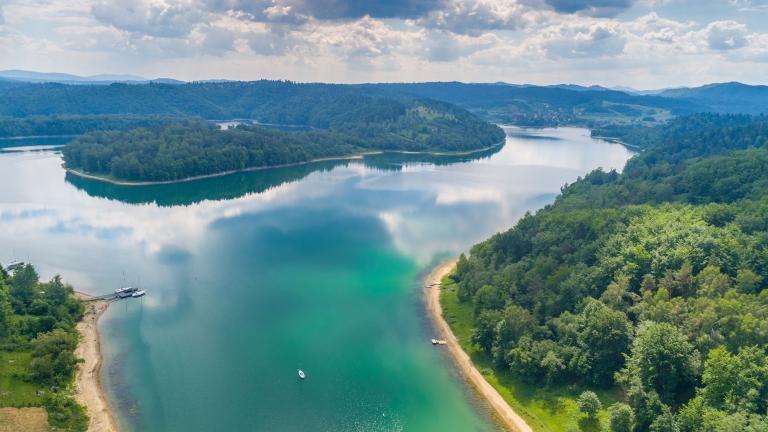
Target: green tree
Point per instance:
(663, 360)
(24, 284)
(748, 281)
(484, 333)
(622, 417)
(604, 335)
(53, 360)
(589, 403)
(64, 413)
(666, 422)
(487, 298)
(736, 382)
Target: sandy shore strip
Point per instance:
(88, 391)
(509, 418)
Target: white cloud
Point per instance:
(477, 16)
(584, 41)
(443, 46)
(159, 18)
(726, 35)
(540, 41)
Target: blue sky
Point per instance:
(639, 43)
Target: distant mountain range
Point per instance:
(65, 78)
(22, 94)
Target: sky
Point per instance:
(643, 44)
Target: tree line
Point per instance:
(67, 124)
(650, 280)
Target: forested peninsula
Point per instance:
(188, 149)
(645, 287)
(38, 338)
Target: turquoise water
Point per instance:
(255, 275)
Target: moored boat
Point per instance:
(138, 293)
(302, 375)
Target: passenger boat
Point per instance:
(127, 289)
(138, 293)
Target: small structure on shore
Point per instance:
(120, 293)
(11, 268)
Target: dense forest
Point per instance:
(323, 105)
(194, 148)
(75, 124)
(651, 281)
(543, 106)
(37, 344)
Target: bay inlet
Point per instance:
(254, 275)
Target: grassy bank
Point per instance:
(15, 391)
(552, 409)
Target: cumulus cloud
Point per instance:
(653, 28)
(750, 5)
(149, 17)
(442, 46)
(216, 39)
(477, 16)
(584, 41)
(358, 40)
(270, 41)
(726, 35)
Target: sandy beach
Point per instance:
(508, 417)
(88, 391)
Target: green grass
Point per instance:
(14, 391)
(550, 409)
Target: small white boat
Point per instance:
(13, 266)
(439, 342)
(302, 375)
(138, 293)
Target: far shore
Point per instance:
(261, 168)
(25, 137)
(511, 420)
(88, 390)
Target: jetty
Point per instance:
(120, 293)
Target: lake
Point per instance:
(252, 276)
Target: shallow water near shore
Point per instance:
(255, 275)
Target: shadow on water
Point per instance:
(239, 184)
(20, 143)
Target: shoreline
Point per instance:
(511, 420)
(88, 390)
(358, 156)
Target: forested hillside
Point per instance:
(37, 344)
(324, 105)
(651, 281)
(543, 106)
(66, 124)
(593, 107)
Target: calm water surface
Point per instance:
(255, 275)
